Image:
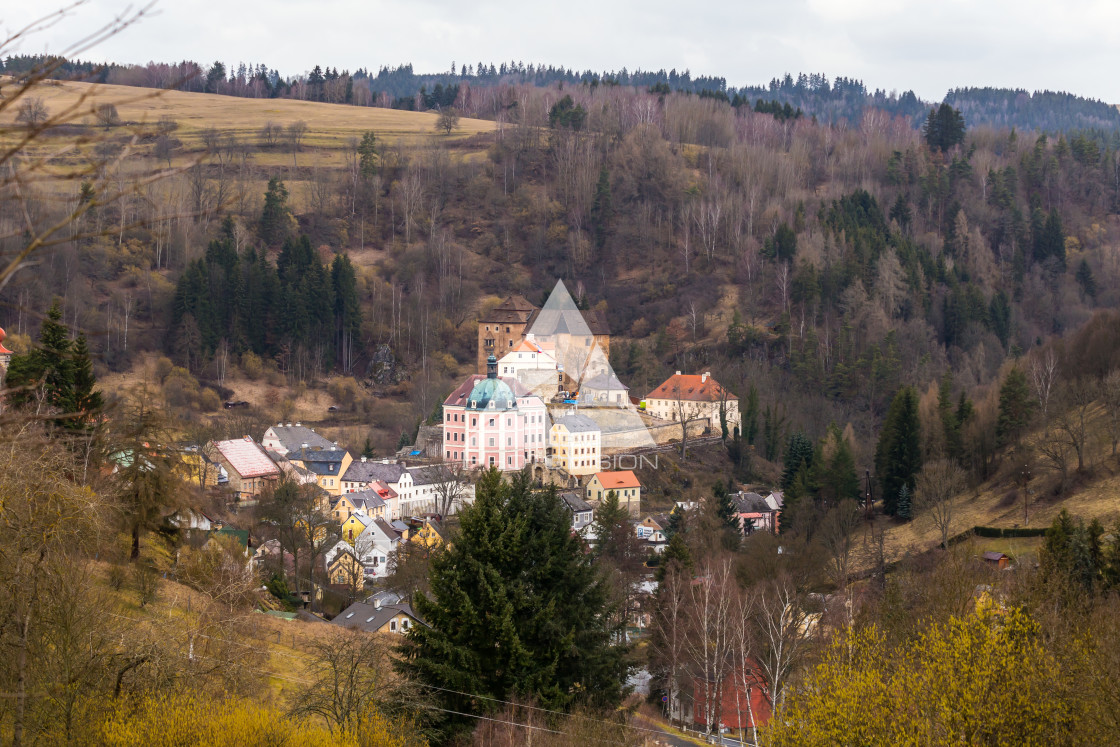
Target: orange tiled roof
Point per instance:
(691, 387)
(619, 479)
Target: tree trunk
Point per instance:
(135, 554)
(21, 682)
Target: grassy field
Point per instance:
(329, 125)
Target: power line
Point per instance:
(537, 708)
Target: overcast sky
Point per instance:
(925, 45)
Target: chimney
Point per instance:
(705, 376)
(289, 425)
(304, 446)
(298, 425)
(377, 604)
(363, 460)
(678, 373)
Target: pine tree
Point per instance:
(837, 479)
(367, 449)
(1086, 280)
(1016, 406)
(276, 218)
(367, 155)
(943, 128)
(517, 610)
(905, 507)
(676, 554)
(898, 456)
(799, 453)
(616, 540)
(750, 419)
(87, 400)
(725, 509)
(47, 369)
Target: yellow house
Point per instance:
(429, 534)
(574, 444)
(346, 570)
(354, 525)
(328, 465)
(397, 619)
(625, 485)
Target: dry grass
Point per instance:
(1094, 495)
(329, 125)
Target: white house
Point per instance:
(374, 546)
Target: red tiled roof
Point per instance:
(691, 387)
(620, 479)
(247, 458)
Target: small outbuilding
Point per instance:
(998, 559)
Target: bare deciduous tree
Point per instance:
(709, 635)
(782, 628)
(1044, 373)
(937, 487)
(32, 112)
(447, 120)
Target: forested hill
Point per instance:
(401, 87)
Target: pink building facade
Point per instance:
(494, 422)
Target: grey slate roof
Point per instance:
(574, 502)
(604, 381)
(320, 461)
(367, 499)
(577, 423)
(371, 470)
(369, 617)
(751, 503)
(295, 436)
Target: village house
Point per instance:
(353, 525)
(604, 389)
(370, 502)
(756, 512)
(694, 397)
(345, 570)
(378, 618)
(625, 485)
(409, 490)
(574, 444)
(738, 702)
(282, 438)
(427, 531)
(327, 464)
(493, 422)
(582, 513)
(651, 531)
(248, 467)
(377, 542)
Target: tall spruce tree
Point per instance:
(57, 370)
(898, 456)
(276, 218)
(799, 454)
(836, 476)
(1016, 407)
(517, 610)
